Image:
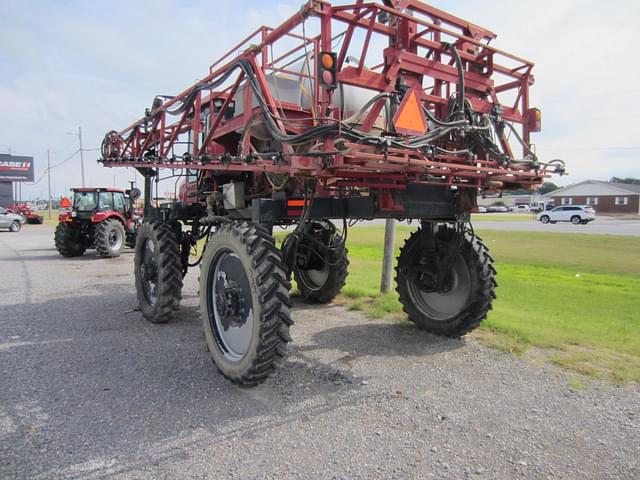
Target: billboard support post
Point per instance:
(49, 180)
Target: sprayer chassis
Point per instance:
(253, 157)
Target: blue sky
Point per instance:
(98, 64)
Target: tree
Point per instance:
(628, 180)
(547, 187)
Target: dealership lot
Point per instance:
(90, 391)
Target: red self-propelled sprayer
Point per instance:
(352, 112)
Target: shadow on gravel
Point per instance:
(381, 340)
(88, 384)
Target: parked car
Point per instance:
(541, 206)
(497, 209)
(576, 214)
(10, 220)
(521, 209)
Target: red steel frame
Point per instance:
(415, 52)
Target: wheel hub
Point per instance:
(149, 271)
(430, 282)
(230, 304)
(113, 238)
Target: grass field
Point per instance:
(503, 217)
(573, 300)
(54, 216)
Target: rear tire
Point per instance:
(67, 242)
(158, 272)
(465, 305)
(15, 226)
(576, 220)
(329, 254)
(110, 238)
(244, 302)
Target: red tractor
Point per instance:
(101, 218)
(25, 210)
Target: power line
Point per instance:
(52, 167)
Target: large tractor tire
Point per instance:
(468, 290)
(158, 271)
(324, 267)
(67, 242)
(110, 238)
(244, 302)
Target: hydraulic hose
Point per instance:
(460, 67)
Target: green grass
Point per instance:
(503, 217)
(576, 297)
(54, 216)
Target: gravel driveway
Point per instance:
(89, 390)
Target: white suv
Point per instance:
(576, 214)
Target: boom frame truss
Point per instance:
(416, 50)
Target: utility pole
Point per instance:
(81, 155)
(49, 180)
(387, 259)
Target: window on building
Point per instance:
(592, 200)
(622, 200)
(566, 201)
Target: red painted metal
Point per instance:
(413, 56)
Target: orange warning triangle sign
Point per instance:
(65, 203)
(410, 119)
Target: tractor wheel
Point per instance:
(463, 303)
(244, 302)
(158, 271)
(322, 274)
(15, 227)
(66, 240)
(110, 238)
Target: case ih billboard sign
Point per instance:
(16, 169)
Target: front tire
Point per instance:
(323, 277)
(461, 306)
(110, 238)
(244, 302)
(15, 227)
(158, 272)
(67, 242)
(544, 219)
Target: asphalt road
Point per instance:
(89, 390)
(601, 226)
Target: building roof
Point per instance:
(629, 186)
(595, 188)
